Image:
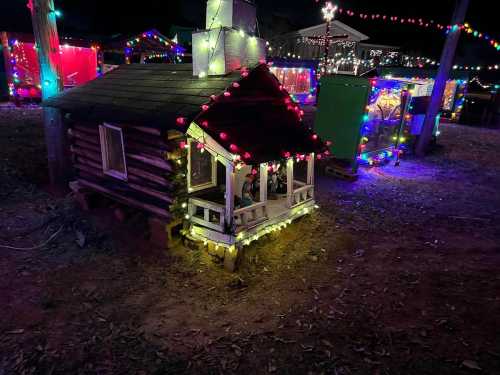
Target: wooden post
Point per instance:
(4, 39)
(230, 180)
(51, 79)
(289, 182)
(310, 169)
(442, 77)
(263, 182)
(327, 45)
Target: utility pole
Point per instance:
(43, 16)
(445, 66)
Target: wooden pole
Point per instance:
(43, 17)
(442, 77)
(230, 185)
(327, 46)
(4, 39)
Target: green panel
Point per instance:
(341, 107)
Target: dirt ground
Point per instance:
(397, 273)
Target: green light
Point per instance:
(366, 118)
(58, 13)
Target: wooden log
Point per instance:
(133, 173)
(161, 187)
(89, 167)
(150, 177)
(126, 200)
(91, 129)
(133, 141)
(155, 162)
(137, 168)
(134, 147)
(87, 146)
(146, 133)
(146, 130)
(77, 134)
(152, 141)
(80, 151)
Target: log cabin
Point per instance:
(224, 154)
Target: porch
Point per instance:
(222, 222)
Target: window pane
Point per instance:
(201, 166)
(115, 150)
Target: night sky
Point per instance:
(101, 18)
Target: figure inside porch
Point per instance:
(277, 183)
(248, 191)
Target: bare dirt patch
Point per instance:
(397, 273)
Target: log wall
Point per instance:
(149, 185)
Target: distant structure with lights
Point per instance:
(351, 55)
(372, 121)
(454, 94)
(216, 150)
(150, 46)
(22, 71)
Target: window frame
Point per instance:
(105, 152)
(208, 185)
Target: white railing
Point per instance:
(213, 214)
(251, 215)
(302, 194)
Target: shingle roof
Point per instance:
(148, 94)
(255, 117)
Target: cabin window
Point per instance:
(113, 151)
(202, 168)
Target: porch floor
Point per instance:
(276, 208)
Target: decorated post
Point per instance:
(51, 77)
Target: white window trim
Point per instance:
(213, 182)
(105, 152)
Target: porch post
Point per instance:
(289, 182)
(230, 178)
(263, 182)
(310, 170)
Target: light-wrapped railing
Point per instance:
(302, 194)
(210, 211)
(252, 215)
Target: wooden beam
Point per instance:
(230, 185)
(126, 200)
(43, 17)
(263, 182)
(289, 182)
(310, 169)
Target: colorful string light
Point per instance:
(421, 23)
(177, 50)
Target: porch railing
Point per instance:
(251, 215)
(213, 214)
(302, 194)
